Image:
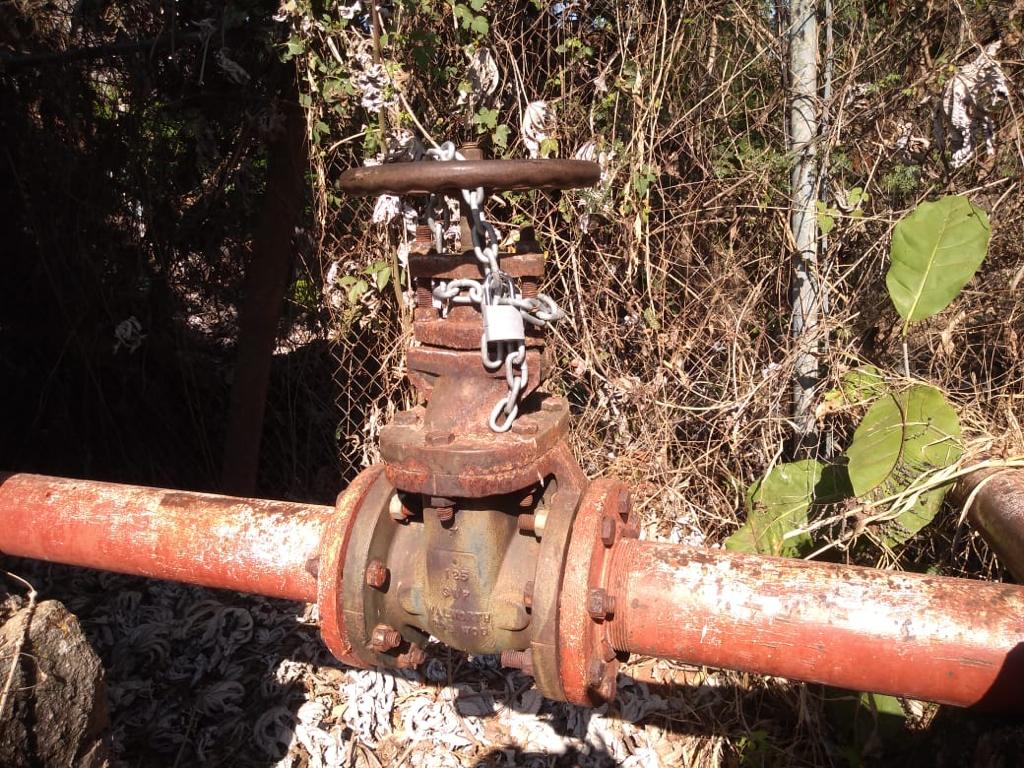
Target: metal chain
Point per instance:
(496, 288)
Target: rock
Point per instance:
(56, 713)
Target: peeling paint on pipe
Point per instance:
(939, 639)
(249, 545)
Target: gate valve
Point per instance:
(483, 565)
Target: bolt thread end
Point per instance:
(445, 514)
(516, 659)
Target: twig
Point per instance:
(21, 640)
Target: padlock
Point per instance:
(503, 322)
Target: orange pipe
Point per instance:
(248, 545)
(952, 641)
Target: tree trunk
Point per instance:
(805, 291)
(265, 284)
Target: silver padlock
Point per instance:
(503, 323)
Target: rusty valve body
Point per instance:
(472, 526)
(497, 543)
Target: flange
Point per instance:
(588, 663)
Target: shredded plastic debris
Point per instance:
(965, 118)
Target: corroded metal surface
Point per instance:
(454, 569)
(249, 545)
(448, 450)
(432, 265)
(543, 590)
(588, 671)
(515, 573)
(996, 509)
(352, 502)
(432, 176)
(925, 637)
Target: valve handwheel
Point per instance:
(426, 176)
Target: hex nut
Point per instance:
(607, 651)
(406, 418)
(411, 658)
(376, 574)
(384, 638)
(540, 520)
(608, 526)
(437, 438)
(625, 504)
(524, 427)
(600, 605)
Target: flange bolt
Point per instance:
(528, 595)
(608, 526)
(607, 651)
(600, 605)
(384, 638)
(625, 504)
(443, 507)
(437, 437)
(522, 660)
(411, 658)
(595, 673)
(376, 574)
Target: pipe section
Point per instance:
(997, 512)
(249, 545)
(937, 639)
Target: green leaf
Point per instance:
(486, 119)
(463, 14)
(500, 136)
(857, 387)
(866, 725)
(477, 5)
(777, 504)
(902, 437)
(651, 319)
(380, 271)
(356, 289)
(480, 25)
(826, 220)
(935, 252)
(856, 197)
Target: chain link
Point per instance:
(496, 288)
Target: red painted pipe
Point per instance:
(938, 639)
(948, 640)
(997, 512)
(249, 545)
